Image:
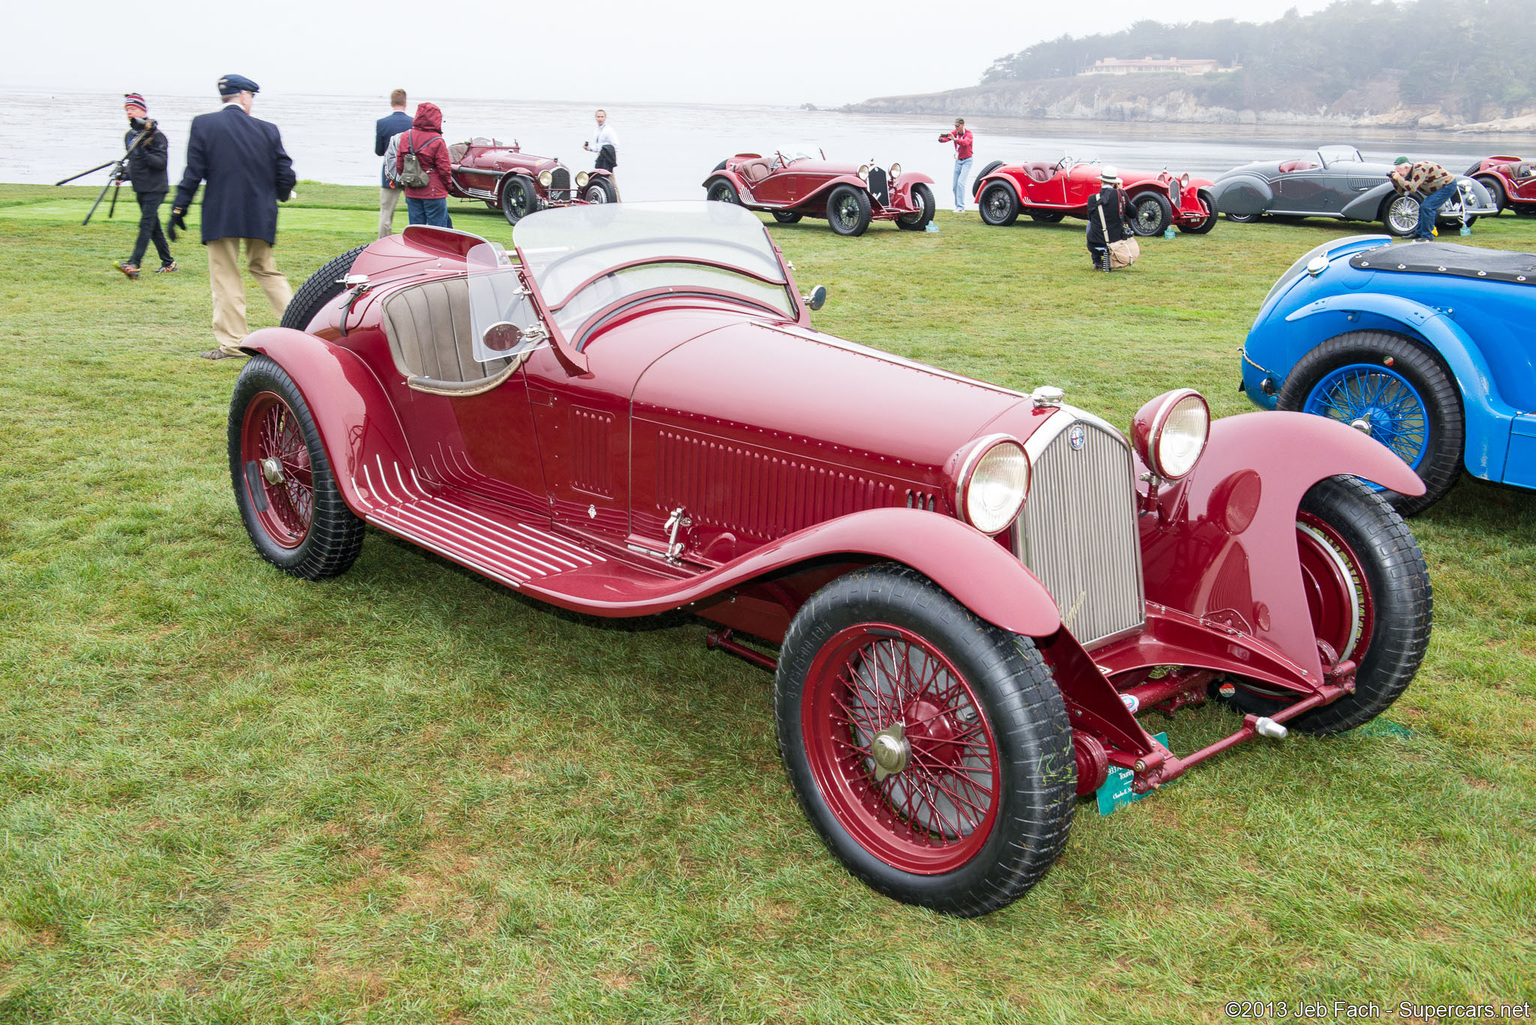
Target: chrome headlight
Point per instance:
(1170, 432)
(864, 172)
(582, 178)
(895, 171)
(992, 484)
(546, 178)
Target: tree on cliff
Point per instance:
(1472, 58)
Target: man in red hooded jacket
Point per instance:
(429, 203)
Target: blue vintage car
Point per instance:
(1427, 346)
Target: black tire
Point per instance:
(1149, 214)
(323, 285)
(1203, 227)
(1400, 215)
(1367, 553)
(976, 182)
(786, 217)
(720, 166)
(721, 191)
(1432, 408)
(1243, 218)
(1495, 192)
(1046, 216)
(999, 204)
(848, 211)
(519, 198)
(918, 220)
(303, 529)
(1000, 702)
(599, 190)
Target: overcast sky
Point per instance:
(603, 51)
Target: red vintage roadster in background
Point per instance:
(518, 183)
(792, 184)
(1049, 191)
(1510, 181)
(966, 593)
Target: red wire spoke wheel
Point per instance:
(272, 438)
(930, 749)
(284, 487)
(900, 748)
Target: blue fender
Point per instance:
(1488, 417)
(354, 416)
(1243, 194)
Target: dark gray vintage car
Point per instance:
(1336, 181)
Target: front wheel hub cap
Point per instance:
(1363, 425)
(891, 752)
(272, 470)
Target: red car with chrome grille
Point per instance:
(1510, 181)
(1048, 191)
(966, 594)
(517, 183)
(792, 183)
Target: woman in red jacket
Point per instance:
(427, 204)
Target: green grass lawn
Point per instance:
(409, 795)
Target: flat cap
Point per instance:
(231, 84)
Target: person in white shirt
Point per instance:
(606, 145)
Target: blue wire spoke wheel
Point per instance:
(1394, 388)
(1365, 395)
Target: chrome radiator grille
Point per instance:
(560, 185)
(1078, 530)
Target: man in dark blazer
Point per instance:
(247, 170)
(384, 129)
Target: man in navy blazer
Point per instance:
(247, 170)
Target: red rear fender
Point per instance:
(354, 416)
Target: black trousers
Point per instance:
(149, 228)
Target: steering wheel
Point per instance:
(1065, 163)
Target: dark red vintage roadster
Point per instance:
(1048, 191)
(792, 183)
(1510, 181)
(517, 183)
(966, 593)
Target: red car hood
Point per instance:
(796, 390)
(505, 159)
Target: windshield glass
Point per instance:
(1331, 155)
(788, 154)
(573, 254)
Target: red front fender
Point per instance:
(1221, 545)
(354, 416)
(981, 574)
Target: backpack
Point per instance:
(411, 174)
(391, 152)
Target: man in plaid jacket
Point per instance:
(1434, 185)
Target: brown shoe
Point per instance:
(221, 354)
(129, 269)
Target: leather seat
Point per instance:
(754, 170)
(1040, 171)
(456, 152)
(430, 333)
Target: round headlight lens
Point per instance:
(1170, 432)
(546, 178)
(864, 171)
(895, 170)
(995, 489)
(582, 178)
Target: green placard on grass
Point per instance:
(1115, 791)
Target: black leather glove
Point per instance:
(176, 220)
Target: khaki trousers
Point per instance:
(229, 290)
(388, 200)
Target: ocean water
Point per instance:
(667, 149)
